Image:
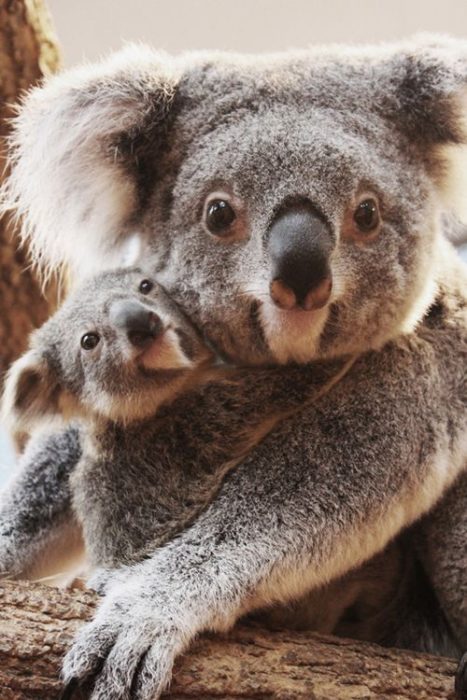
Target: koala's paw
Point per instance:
(461, 679)
(127, 651)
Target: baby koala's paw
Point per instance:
(100, 579)
(11, 559)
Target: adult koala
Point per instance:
(292, 205)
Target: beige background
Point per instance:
(88, 28)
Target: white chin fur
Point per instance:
(292, 336)
(453, 188)
(166, 353)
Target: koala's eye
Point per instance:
(366, 215)
(219, 217)
(89, 341)
(146, 286)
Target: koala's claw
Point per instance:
(135, 670)
(71, 691)
(154, 672)
(87, 653)
(127, 651)
(461, 679)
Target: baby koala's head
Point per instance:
(118, 347)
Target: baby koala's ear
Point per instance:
(31, 391)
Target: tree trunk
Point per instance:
(28, 50)
(37, 624)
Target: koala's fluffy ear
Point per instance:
(75, 148)
(429, 76)
(30, 392)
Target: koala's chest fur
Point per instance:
(132, 502)
(138, 486)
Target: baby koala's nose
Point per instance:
(140, 323)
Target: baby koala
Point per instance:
(151, 426)
(153, 431)
(115, 351)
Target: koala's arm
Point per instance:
(37, 527)
(322, 493)
(441, 542)
(182, 456)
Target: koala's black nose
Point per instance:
(140, 324)
(300, 244)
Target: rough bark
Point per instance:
(37, 624)
(28, 51)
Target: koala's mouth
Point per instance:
(293, 336)
(165, 352)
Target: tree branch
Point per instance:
(37, 624)
(28, 51)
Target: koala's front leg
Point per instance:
(37, 526)
(302, 509)
(441, 541)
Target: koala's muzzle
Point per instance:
(299, 245)
(140, 323)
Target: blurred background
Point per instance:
(87, 29)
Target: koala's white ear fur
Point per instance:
(432, 99)
(30, 392)
(69, 186)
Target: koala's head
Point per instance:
(117, 348)
(291, 203)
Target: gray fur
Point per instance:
(332, 484)
(388, 600)
(37, 524)
(179, 463)
(441, 546)
(57, 376)
(174, 459)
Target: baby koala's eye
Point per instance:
(366, 215)
(89, 341)
(146, 286)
